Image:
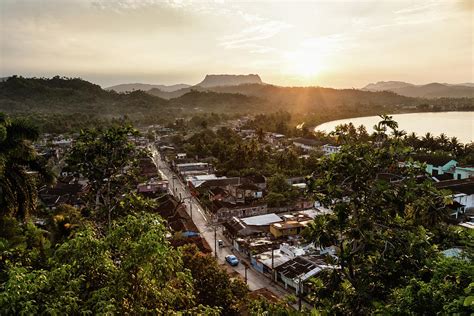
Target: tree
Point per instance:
(21, 169)
(445, 290)
(109, 160)
(213, 286)
(381, 224)
(130, 270)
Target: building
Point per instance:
(444, 168)
(329, 149)
(295, 272)
(223, 211)
(307, 144)
(462, 194)
(63, 193)
(147, 168)
(152, 188)
(292, 226)
(463, 172)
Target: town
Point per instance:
(243, 195)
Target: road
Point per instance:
(255, 280)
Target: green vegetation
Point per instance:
(114, 257)
(388, 235)
(234, 156)
(68, 104)
(20, 168)
(80, 263)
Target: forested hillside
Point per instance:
(70, 103)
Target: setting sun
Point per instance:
(304, 67)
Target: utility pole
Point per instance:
(246, 267)
(273, 265)
(191, 208)
(215, 241)
(299, 293)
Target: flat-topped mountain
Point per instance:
(387, 85)
(129, 87)
(431, 90)
(229, 80)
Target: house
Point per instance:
(440, 166)
(152, 188)
(274, 138)
(295, 272)
(180, 223)
(214, 182)
(329, 149)
(246, 192)
(223, 211)
(194, 168)
(307, 144)
(292, 226)
(248, 247)
(463, 172)
(462, 194)
(267, 261)
(249, 227)
(63, 193)
(257, 180)
(181, 156)
(147, 167)
(236, 228)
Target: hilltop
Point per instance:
(129, 87)
(431, 90)
(70, 100)
(229, 80)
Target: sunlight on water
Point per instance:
(453, 124)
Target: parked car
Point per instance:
(232, 260)
(220, 242)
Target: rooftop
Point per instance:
(307, 141)
(465, 186)
(262, 220)
(303, 266)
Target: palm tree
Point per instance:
(412, 140)
(20, 168)
(428, 141)
(443, 142)
(455, 146)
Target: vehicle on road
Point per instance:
(220, 242)
(232, 260)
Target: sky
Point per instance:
(332, 43)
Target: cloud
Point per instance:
(254, 34)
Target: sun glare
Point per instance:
(306, 67)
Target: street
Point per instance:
(255, 280)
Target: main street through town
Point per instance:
(210, 232)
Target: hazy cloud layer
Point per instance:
(328, 43)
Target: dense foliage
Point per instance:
(57, 98)
(21, 169)
(77, 263)
(388, 226)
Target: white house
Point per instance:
(329, 149)
(462, 193)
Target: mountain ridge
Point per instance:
(430, 90)
(218, 80)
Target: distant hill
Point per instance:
(387, 85)
(432, 90)
(72, 95)
(128, 87)
(62, 102)
(229, 80)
